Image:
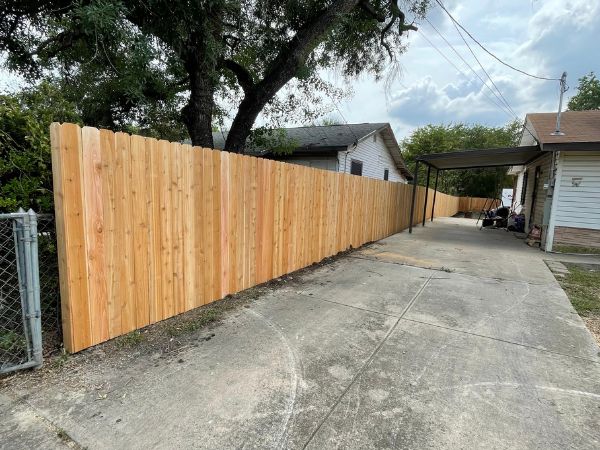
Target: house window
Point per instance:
(524, 187)
(356, 167)
(386, 174)
(375, 137)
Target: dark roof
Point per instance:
(491, 157)
(317, 137)
(319, 140)
(577, 126)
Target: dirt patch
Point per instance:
(593, 324)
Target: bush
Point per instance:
(25, 157)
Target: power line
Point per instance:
(463, 73)
(489, 52)
(484, 83)
(506, 109)
(483, 69)
(344, 119)
(492, 81)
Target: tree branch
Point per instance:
(243, 76)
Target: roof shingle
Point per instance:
(577, 126)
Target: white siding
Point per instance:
(579, 206)
(518, 190)
(318, 162)
(375, 157)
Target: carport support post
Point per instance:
(437, 173)
(414, 195)
(426, 194)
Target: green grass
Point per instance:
(131, 339)
(576, 249)
(209, 315)
(61, 360)
(582, 285)
(11, 341)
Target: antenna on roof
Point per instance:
(563, 89)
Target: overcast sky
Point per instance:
(543, 37)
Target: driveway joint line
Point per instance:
(367, 363)
(481, 277)
(532, 347)
(50, 426)
(314, 297)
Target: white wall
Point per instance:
(375, 157)
(518, 207)
(318, 162)
(578, 206)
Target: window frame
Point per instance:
(359, 164)
(386, 174)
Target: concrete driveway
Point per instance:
(447, 338)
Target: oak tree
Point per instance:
(197, 61)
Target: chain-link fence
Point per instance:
(29, 290)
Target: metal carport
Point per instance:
(468, 159)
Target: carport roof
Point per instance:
(491, 157)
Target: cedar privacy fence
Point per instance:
(148, 229)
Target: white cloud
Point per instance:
(540, 37)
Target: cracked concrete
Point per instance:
(447, 338)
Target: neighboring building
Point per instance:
(560, 189)
(367, 149)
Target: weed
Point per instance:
(209, 315)
(132, 339)
(11, 341)
(62, 434)
(61, 360)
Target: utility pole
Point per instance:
(563, 89)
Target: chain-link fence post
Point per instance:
(20, 313)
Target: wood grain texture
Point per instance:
(148, 229)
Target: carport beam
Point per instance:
(437, 173)
(426, 194)
(414, 195)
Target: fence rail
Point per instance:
(148, 229)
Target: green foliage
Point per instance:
(588, 94)
(130, 65)
(131, 339)
(273, 139)
(25, 158)
(456, 137)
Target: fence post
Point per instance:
(32, 309)
(35, 312)
(19, 233)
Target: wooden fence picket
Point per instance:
(148, 229)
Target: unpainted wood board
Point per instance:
(56, 144)
(166, 229)
(191, 245)
(177, 230)
(94, 232)
(124, 234)
(141, 242)
(153, 168)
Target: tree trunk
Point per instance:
(197, 114)
(242, 124)
(283, 69)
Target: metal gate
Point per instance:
(20, 321)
